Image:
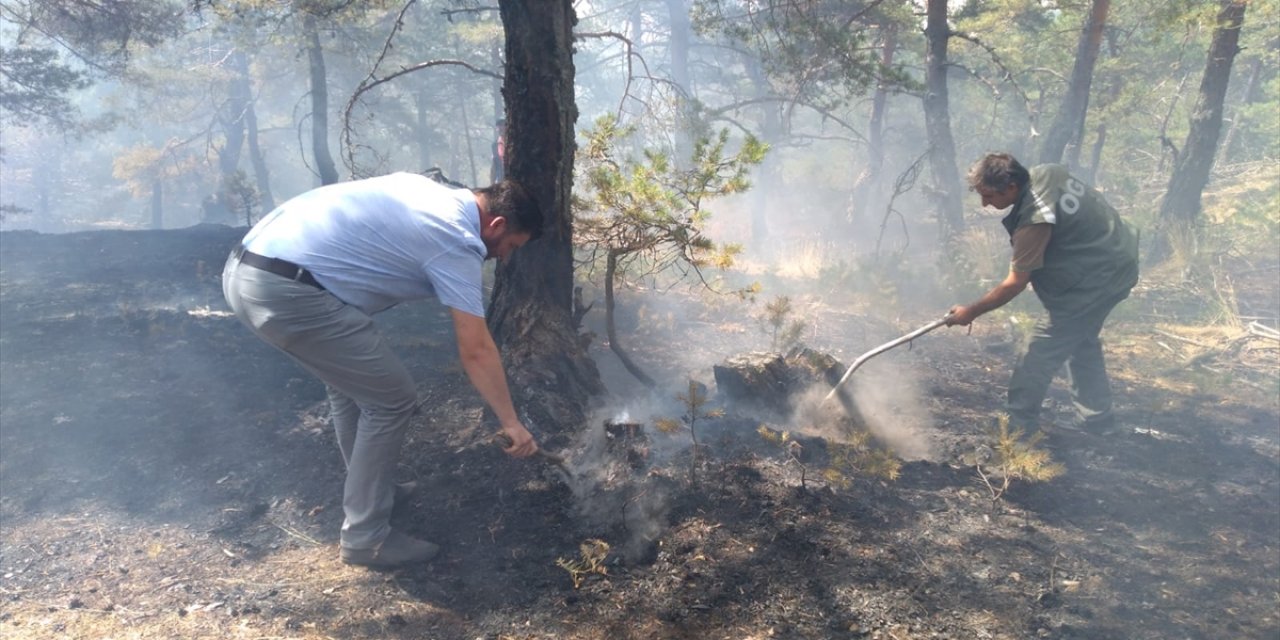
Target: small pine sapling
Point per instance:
(694, 401)
(784, 332)
(1015, 457)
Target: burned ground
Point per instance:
(163, 474)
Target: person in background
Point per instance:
(308, 278)
(497, 166)
(1081, 260)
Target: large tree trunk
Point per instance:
(531, 315)
(937, 117)
(1180, 209)
(325, 167)
(1068, 124)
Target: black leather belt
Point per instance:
(279, 267)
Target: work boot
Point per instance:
(396, 551)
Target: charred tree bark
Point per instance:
(531, 315)
(1180, 209)
(937, 117)
(325, 167)
(611, 270)
(1068, 123)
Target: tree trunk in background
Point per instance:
(681, 33)
(531, 314)
(1095, 158)
(1068, 123)
(1252, 94)
(232, 120)
(1180, 209)
(262, 177)
(867, 195)
(421, 130)
(763, 196)
(937, 117)
(325, 167)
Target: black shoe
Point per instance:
(396, 551)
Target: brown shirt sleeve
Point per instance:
(1029, 243)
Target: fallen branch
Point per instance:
(1263, 331)
(1182, 339)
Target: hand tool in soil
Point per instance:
(558, 461)
(862, 359)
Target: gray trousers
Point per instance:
(372, 396)
(1071, 339)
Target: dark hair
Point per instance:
(509, 199)
(998, 171)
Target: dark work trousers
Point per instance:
(372, 396)
(1071, 339)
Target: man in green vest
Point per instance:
(1081, 260)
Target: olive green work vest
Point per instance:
(1092, 254)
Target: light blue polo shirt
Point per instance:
(380, 241)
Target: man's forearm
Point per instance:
(998, 296)
(484, 368)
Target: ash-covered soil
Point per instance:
(165, 475)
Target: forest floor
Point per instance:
(165, 475)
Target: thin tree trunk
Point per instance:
(610, 271)
(1068, 123)
(1251, 95)
(866, 196)
(937, 116)
(762, 197)
(421, 132)
(681, 33)
(1180, 209)
(327, 170)
(260, 172)
(1095, 158)
(531, 314)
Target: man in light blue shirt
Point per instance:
(307, 279)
